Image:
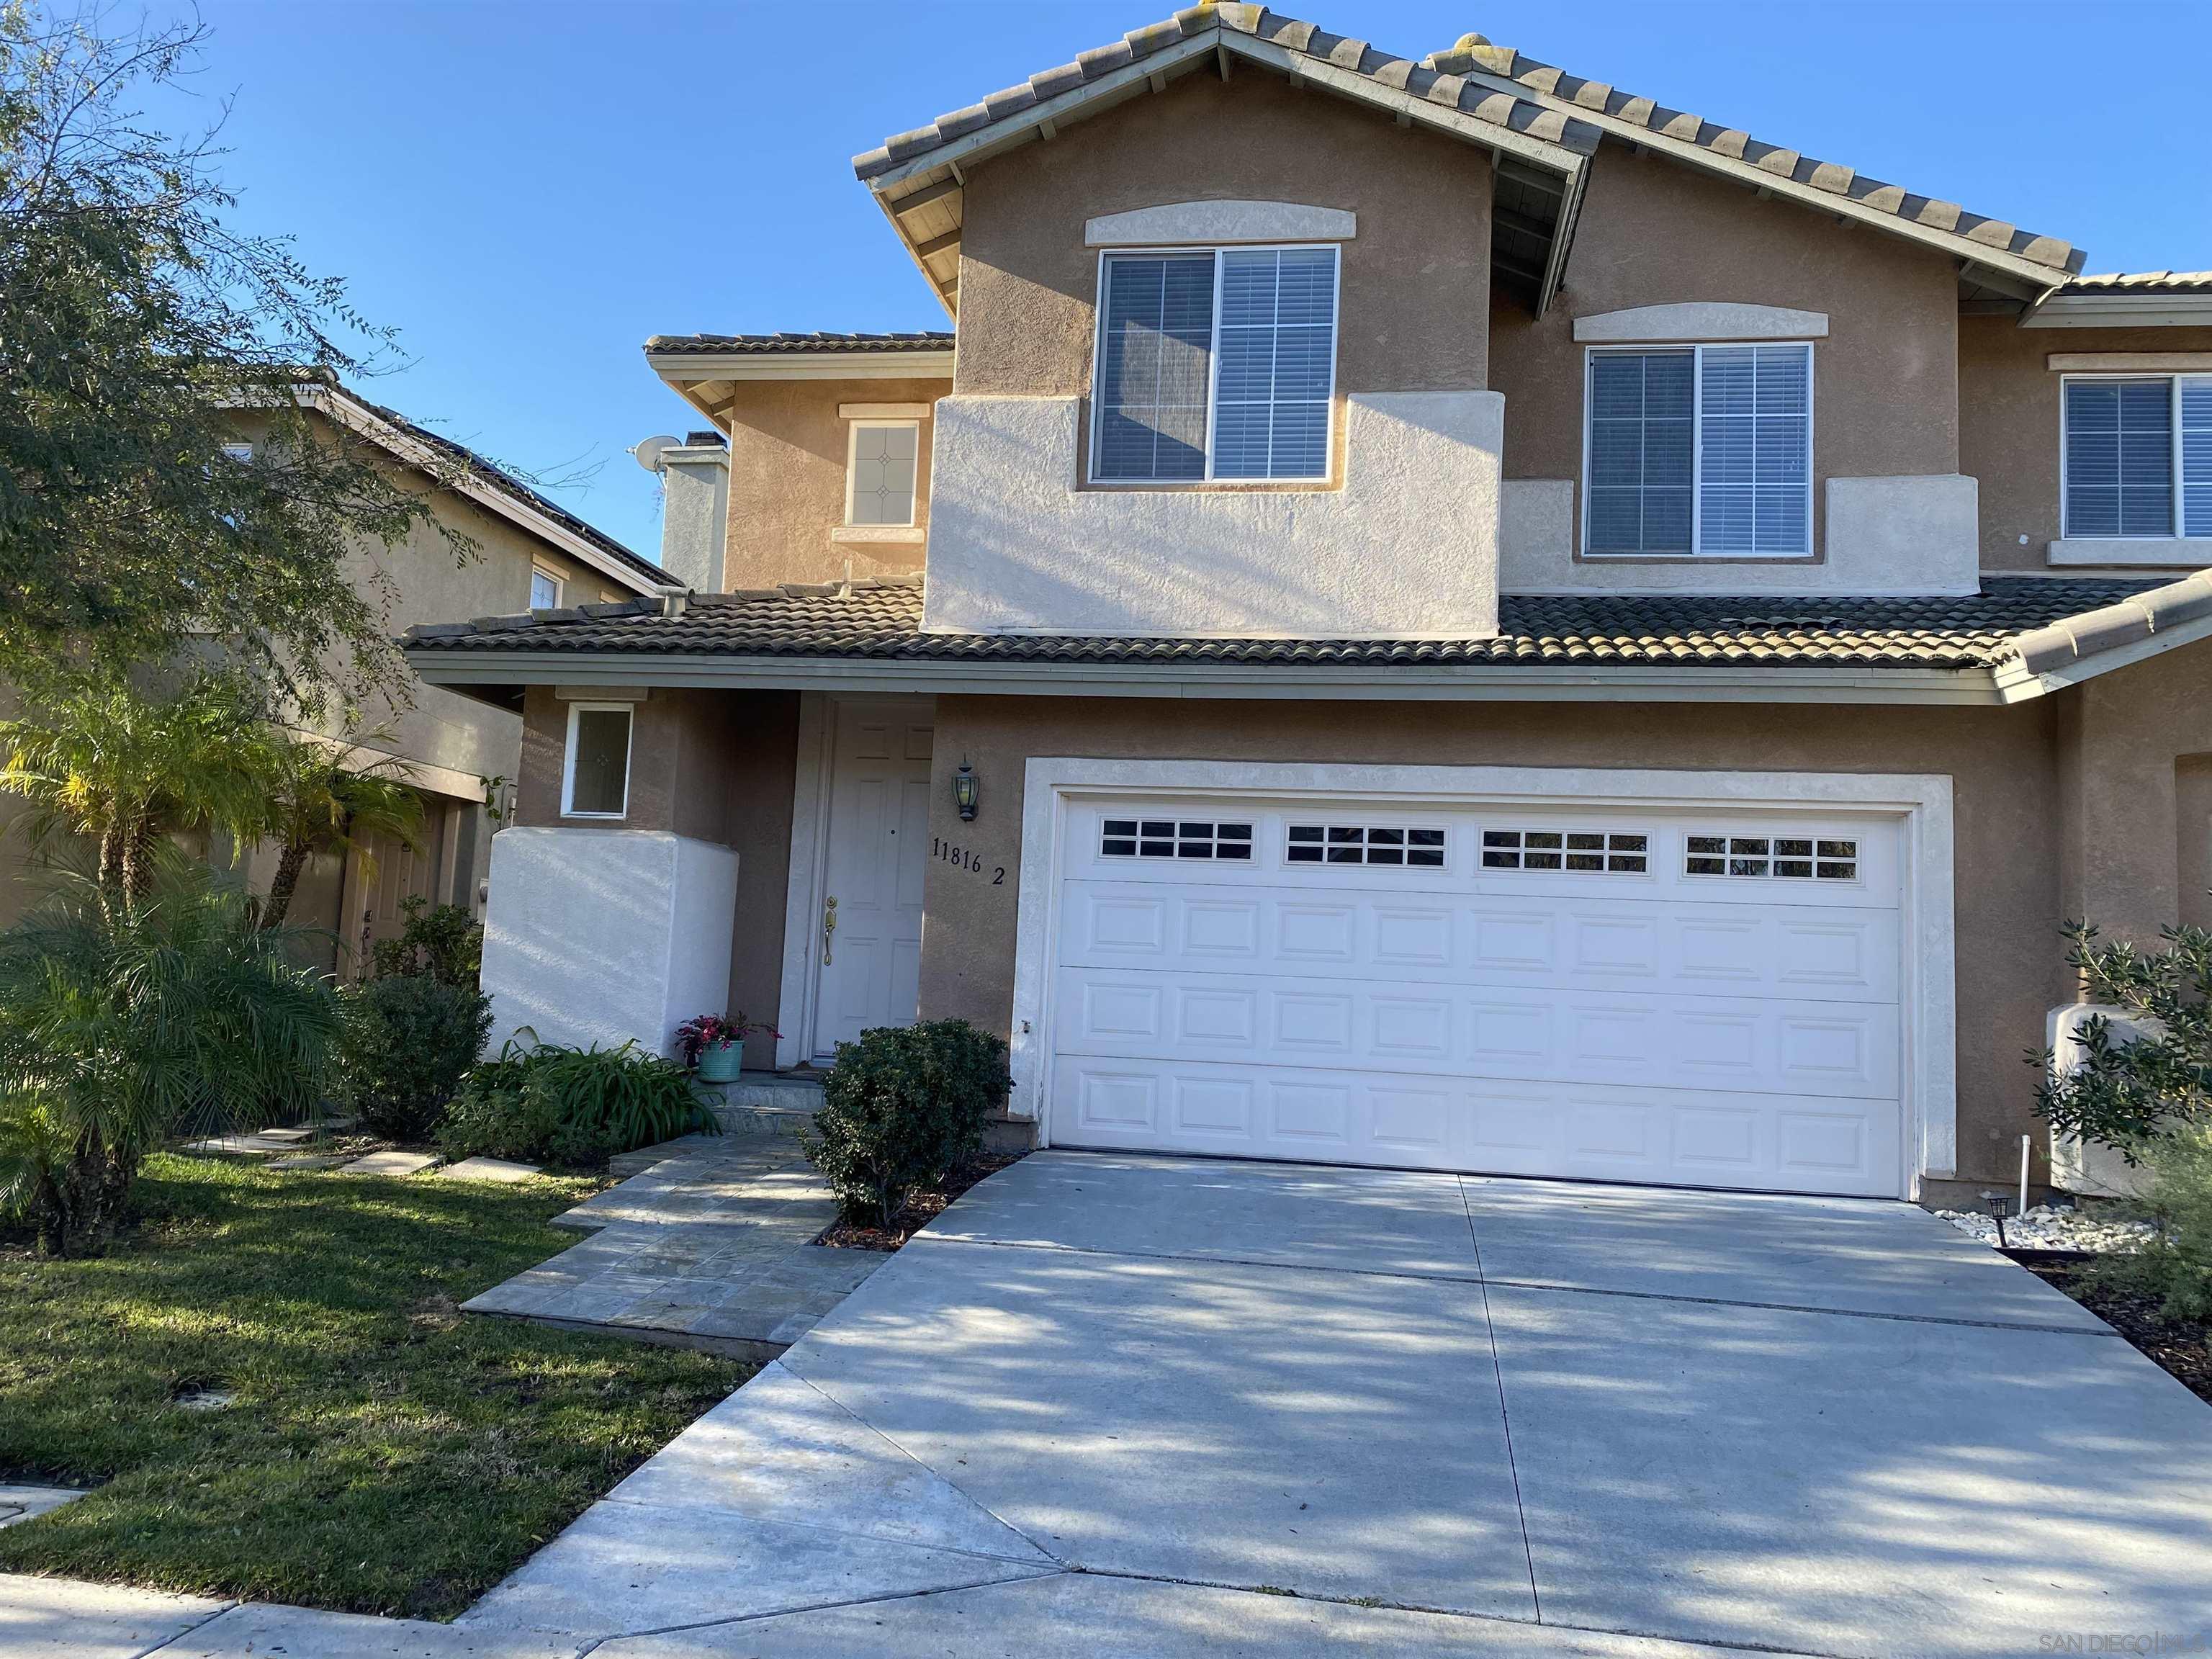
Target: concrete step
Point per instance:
(781, 1091)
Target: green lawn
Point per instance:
(385, 1454)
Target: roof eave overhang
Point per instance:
(358, 418)
(2026, 276)
(1475, 682)
(2144, 310)
(708, 380)
(946, 162)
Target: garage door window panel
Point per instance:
(1175, 838)
(1420, 849)
(1590, 852)
(1784, 858)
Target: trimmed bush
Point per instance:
(579, 1107)
(901, 1109)
(444, 941)
(2176, 1265)
(406, 1041)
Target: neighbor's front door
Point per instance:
(868, 937)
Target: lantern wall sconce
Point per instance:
(965, 792)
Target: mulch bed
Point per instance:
(924, 1208)
(2182, 1348)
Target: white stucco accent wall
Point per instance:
(1405, 549)
(600, 935)
(1880, 537)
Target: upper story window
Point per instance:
(2127, 441)
(879, 472)
(545, 589)
(1703, 450)
(595, 784)
(1215, 365)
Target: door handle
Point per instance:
(828, 927)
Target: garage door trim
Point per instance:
(1921, 802)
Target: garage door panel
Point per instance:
(1629, 1132)
(1720, 1005)
(1829, 951)
(1406, 1026)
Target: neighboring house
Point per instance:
(1495, 625)
(527, 552)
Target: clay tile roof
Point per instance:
(1639, 120)
(769, 345)
(882, 621)
(1419, 82)
(2142, 281)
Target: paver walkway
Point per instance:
(708, 1247)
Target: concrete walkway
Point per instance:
(1123, 1404)
(708, 1245)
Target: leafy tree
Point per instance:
(127, 768)
(124, 1021)
(318, 801)
(141, 338)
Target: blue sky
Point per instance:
(526, 189)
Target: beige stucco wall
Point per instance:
(2010, 970)
(2009, 424)
(788, 453)
(1884, 393)
(1415, 284)
(2135, 744)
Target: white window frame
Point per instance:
(1696, 348)
(854, 428)
(576, 711)
(553, 576)
(1335, 251)
(2174, 530)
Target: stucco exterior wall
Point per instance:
(788, 453)
(2009, 425)
(2135, 746)
(1886, 382)
(2007, 828)
(1415, 284)
(1405, 549)
(716, 767)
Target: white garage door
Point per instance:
(1702, 998)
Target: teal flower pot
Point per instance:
(719, 1062)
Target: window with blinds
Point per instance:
(1701, 450)
(2136, 456)
(1215, 365)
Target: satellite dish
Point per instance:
(648, 453)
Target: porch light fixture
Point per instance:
(965, 791)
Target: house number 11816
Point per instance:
(963, 858)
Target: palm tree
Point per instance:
(126, 1019)
(318, 802)
(127, 768)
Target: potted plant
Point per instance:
(713, 1044)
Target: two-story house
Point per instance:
(460, 755)
(1431, 613)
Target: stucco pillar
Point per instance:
(597, 935)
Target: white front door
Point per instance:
(867, 941)
(1704, 996)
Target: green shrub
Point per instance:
(406, 1043)
(2123, 1093)
(444, 942)
(579, 1107)
(899, 1109)
(2176, 1265)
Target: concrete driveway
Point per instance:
(1113, 1404)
